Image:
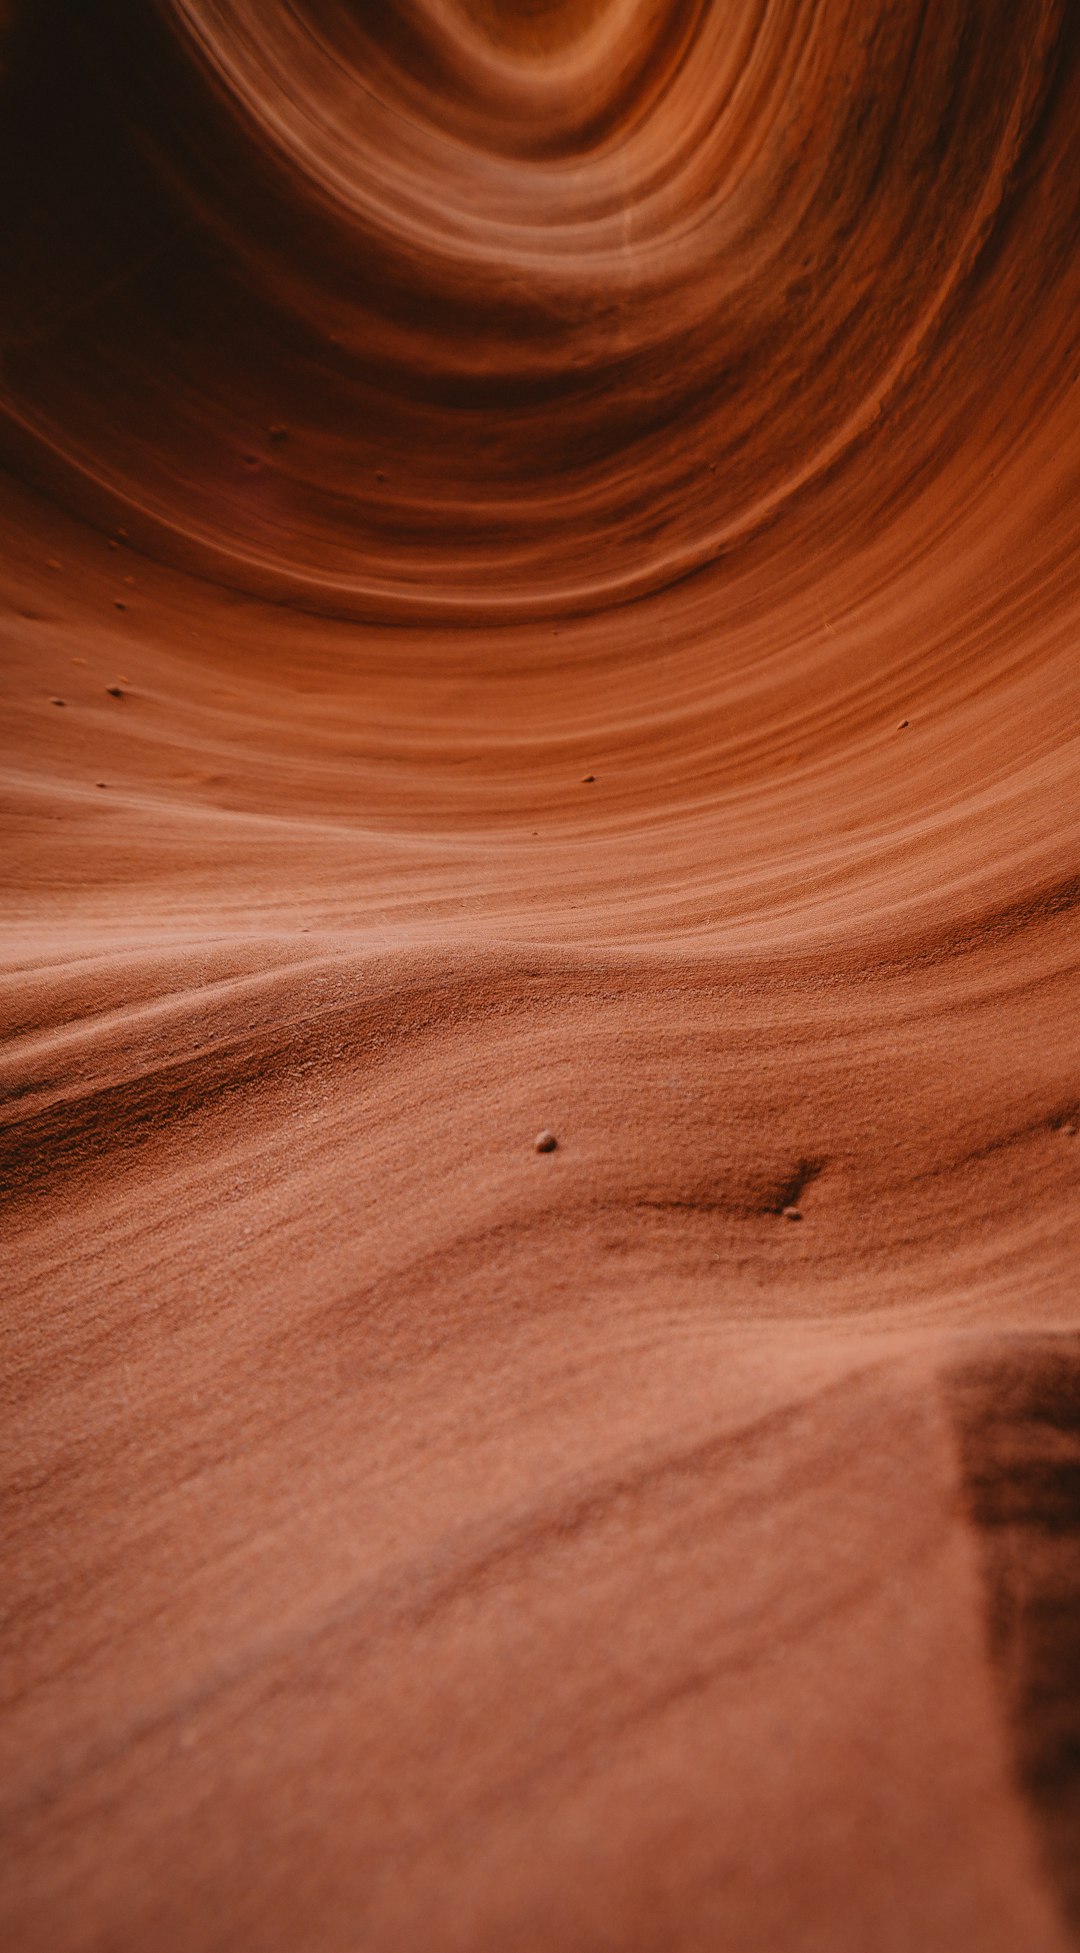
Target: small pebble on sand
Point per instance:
(903, 726)
(792, 1214)
(546, 1142)
(588, 780)
(277, 432)
(57, 701)
(114, 691)
(118, 605)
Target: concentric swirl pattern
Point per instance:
(559, 305)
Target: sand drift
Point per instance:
(541, 1069)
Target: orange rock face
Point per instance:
(554, 528)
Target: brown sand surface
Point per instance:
(539, 593)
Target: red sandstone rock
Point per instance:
(406, 1547)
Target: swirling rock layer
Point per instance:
(540, 592)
